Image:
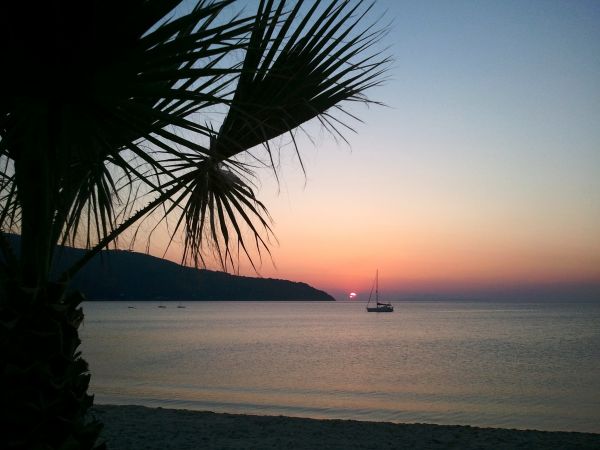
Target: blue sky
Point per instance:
(481, 173)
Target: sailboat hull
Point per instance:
(380, 309)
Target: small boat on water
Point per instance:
(379, 306)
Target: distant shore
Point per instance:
(139, 427)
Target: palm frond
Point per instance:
(119, 82)
(289, 80)
(121, 116)
(293, 71)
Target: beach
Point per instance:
(137, 427)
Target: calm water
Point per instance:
(485, 364)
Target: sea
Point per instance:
(488, 364)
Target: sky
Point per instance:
(479, 179)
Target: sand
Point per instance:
(138, 427)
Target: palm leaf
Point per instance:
(292, 73)
(166, 68)
(125, 130)
(287, 82)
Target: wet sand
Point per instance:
(138, 427)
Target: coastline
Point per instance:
(134, 427)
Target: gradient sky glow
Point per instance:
(482, 173)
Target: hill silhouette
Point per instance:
(128, 275)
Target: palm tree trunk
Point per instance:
(35, 177)
(43, 379)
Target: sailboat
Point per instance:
(379, 306)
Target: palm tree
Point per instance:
(105, 111)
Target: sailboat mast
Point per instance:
(377, 285)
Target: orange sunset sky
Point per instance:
(482, 175)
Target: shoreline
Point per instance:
(134, 427)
